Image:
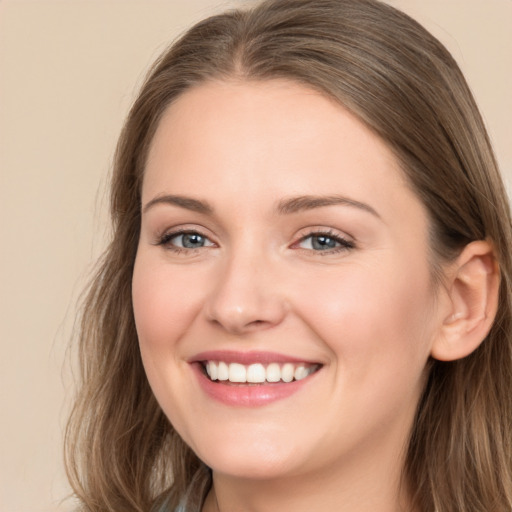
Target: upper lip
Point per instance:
(246, 358)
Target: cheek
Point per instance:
(377, 328)
(372, 319)
(165, 302)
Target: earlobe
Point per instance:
(473, 290)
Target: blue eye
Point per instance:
(185, 240)
(324, 242)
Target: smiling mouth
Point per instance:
(257, 373)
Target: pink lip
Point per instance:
(230, 356)
(247, 395)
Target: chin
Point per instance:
(259, 468)
(259, 457)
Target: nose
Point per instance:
(246, 296)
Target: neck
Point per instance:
(374, 487)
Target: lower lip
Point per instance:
(254, 395)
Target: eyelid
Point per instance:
(346, 243)
(167, 235)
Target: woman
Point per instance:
(306, 301)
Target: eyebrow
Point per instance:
(301, 203)
(284, 207)
(188, 203)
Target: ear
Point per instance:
(473, 287)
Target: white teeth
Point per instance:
(273, 372)
(256, 373)
(212, 370)
(287, 372)
(222, 371)
(301, 372)
(237, 373)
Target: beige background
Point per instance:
(68, 72)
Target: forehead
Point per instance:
(279, 137)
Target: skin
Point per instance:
(368, 313)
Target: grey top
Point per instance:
(193, 499)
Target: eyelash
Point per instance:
(165, 240)
(344, 244)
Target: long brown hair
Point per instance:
(122, 453)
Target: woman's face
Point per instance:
(280, 241)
